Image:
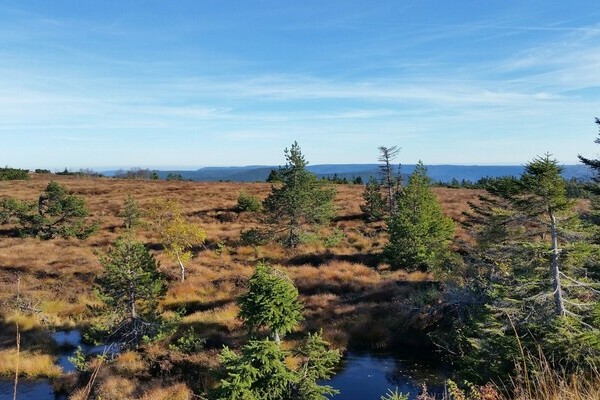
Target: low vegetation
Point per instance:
(275, 280)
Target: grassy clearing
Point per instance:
(346, 290)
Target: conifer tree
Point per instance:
(374, 206)
(130, 287)
(594, 165)
(58, 214)
(419, 231)
(543, 193)
(391, 182)
(271, 302)
(539, 291)
(300, 203)
(262, 371)
(131, 213)
(258, 373)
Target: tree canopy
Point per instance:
(271, 302)
(419, 231)
(300, 202)
(130, 288)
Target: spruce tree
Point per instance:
(271, 302)
(543, 193)
(261, 371)
(419, 232)
(131, 213)
(374, 206)
(300, 203)
(594, 165)
(540, 289)
(391, 182)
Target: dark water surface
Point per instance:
(367, 376)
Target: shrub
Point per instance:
(246, 202)
(10, 174)
(253, 237)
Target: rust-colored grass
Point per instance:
(31, 364)
(346, 290)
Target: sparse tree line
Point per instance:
(527, 281)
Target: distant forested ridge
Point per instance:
(437, 173)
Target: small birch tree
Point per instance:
(177, 235)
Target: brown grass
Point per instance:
(31, 364)
(345, 288)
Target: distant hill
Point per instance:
(443, 173)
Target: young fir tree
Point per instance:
(271, 302)
(130, 288)
(535, 239)
(300, 203)
(419, 232)
(374, 206)
(258, 373)
(131, 213)
(262, 370)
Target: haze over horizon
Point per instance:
(188, 84)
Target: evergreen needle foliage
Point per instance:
(57, 214)
(131, 213)
(271, 302)
(130, 288)
(262, 370)
(532, 279)
(374, 206)
(419, 232)
(300, 202)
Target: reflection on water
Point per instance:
(41, 389)
(30, 389)
(368, 376)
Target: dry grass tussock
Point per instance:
(31, 364)
(539, 380)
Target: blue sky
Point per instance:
(107, 83)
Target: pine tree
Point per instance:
(419, 231)
(130, 287)
(300, 203)
(59, 214)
